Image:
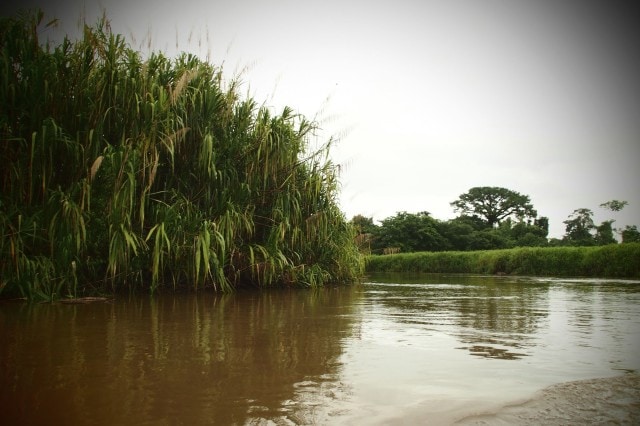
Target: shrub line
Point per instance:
(610, 261)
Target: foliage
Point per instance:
(365, 229)
(526, 235)
(582, 231)
(494, 204)
(630, 234)
(459, 232)
(578, 228)
(363, 225)
(614, 205)
(621, 261)
(410, 232)
(122, 173)
(604, 233)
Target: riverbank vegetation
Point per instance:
(613, 260)
(127, 173)
(490, 218)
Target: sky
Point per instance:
(427, 98)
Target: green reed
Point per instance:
(615, 260)
(123, 173)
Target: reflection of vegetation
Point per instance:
(184, 359)
(123, 172)
(506, 314)
(495, 316)
(621, 260)
(493, 352)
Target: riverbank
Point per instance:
(614, 400)
(613, 261)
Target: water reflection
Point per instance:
(190, 359)
(394, 350)
(493, 317)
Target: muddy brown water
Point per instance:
(396, 349)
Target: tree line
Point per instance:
(489, 218)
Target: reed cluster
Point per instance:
(614, 260)
(121, 172)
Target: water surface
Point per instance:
(397, 348)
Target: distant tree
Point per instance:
(410, 232)
(535, 235)
(494, 204)
(578, 228)
(630, 234)
(606, 230)
(465, 233)
(604, 233)
(614, 205)
(488, 239)
(581, 230)
(542, 223)
(366, 232)
(457, 233)
(363, 224)
(475, 222)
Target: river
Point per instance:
(396, 349)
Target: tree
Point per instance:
(365, 232)
(494, 204)
(604, 233)
(457, 232)
(614, 205)
(524, 234)
(578, 228)
(363, 224)
(488, 239)
(630, 234)
(410, 232)
(543, 224)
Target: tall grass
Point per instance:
(124, 173)
(616, 260)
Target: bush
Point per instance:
(615, 260)
(120, 172)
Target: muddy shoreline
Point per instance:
(611, 400)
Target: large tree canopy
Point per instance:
(494, 204)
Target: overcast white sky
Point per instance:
(430, 98)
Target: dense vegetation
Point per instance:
(614, 260)
(124, 173)
(490, 218)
